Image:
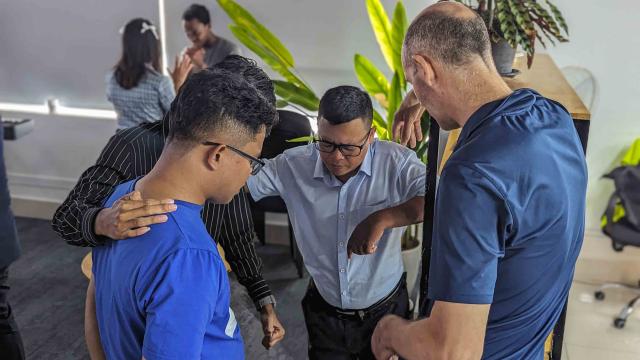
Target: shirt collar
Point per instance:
(321, 172)
(517, 100)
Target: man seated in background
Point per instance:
(348, 193)
(165, 294)
(83, 221)
(207, 49)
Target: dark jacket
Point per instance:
(9, 244)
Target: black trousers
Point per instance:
(335, 337)
(11, 347)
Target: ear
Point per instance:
(424, 69)
(214, 156)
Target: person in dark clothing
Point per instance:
(207, 49)
(11, 347)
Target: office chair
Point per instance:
(621, 221)
(290, 126)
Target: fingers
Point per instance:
(132, 204)
(407, 130)
(412, 139)
(143, 222)
(418, 130)
(397, 128)
(146, 211)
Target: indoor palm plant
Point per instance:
(291, 89)
(389, 33)
(519, 22)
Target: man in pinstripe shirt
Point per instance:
(132, 153)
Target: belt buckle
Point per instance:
(361, 314)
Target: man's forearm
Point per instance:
(237, 239)
(408, 213)
(91, 332)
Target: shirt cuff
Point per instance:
(260, 292)
(88, 221)
(266, 301)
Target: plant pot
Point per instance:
(411, 259)
(503, 56)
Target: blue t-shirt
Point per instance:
(509, 220)
(165, 294)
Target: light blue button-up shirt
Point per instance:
(324, 212)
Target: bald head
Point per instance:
(449, 33)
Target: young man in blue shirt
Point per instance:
(509, 217)
(349, 199)
(165, 294)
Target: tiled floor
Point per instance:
(589, 332)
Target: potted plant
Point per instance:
(292, 89)
(389, 34)
(519, 22)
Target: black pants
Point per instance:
(336, 337)
(10, 341)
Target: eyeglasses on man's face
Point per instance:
(347, 150)
(256, 164)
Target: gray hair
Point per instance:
(450, 39)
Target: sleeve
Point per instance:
(179, 301)
(235, 49)
(412, 178)
(167, 94)
(75, 218)
(267, 183)
(468, 237)
(237, 239)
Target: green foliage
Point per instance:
(389, 34)
(255, 36)
(522, 22)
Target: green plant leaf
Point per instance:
(558, 16)
(395, 99)
(307, 139)
(244, 19)
(381, 126)
(248, 40)
(398, 31)
(281, 103)
(296, 95)
(382, 30)
(372, 79)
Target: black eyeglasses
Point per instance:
(347, 150)
(256, 164)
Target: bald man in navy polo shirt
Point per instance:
(509, 212)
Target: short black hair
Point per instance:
(198, 12)
(450, 39)
(221, 102)
(345, 103)
(250, 70)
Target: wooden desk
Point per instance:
(547, 79)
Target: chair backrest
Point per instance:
(584, 83)
(290, 126)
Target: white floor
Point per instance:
(589, 331)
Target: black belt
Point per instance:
(362, 313)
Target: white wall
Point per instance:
(62, 48)
(604, 40)
(324, 35)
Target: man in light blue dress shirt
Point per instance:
(349, 198)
